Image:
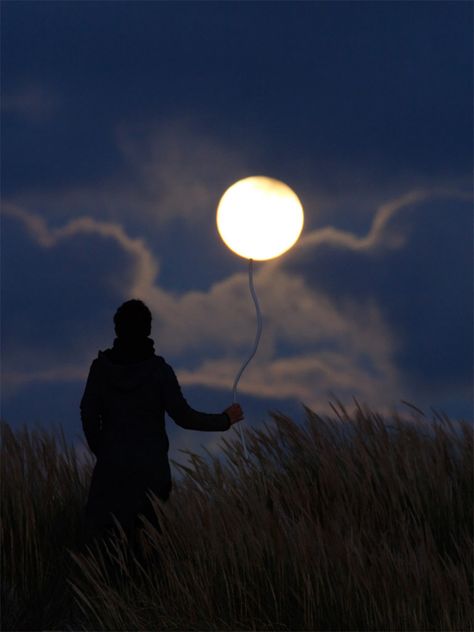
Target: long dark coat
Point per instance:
(128, 391)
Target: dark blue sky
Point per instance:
(124, 122)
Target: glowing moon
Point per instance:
(259, 218)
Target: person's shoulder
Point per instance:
(159, 360)
(160, 363)
(102, 358)
(165, 369)
(102, 361)
(95, 367)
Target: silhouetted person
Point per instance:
(128, 390)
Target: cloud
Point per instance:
(145, 265)
(310, 378)
(13, 380)
(309, 345)
(166, 173)
(178, 170)
(32, 101)
(314, 343)
(423, 289)
(382, 234)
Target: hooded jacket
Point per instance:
(127, 393)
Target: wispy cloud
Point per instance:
(309, 378)
(168, 172)
(13, 380)
(145, 265)
(347, 349)
(178, 170)
(382, 234)
(31, 101)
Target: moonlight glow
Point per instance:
(259, 218)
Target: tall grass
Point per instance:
(346, 523)
(43, 492)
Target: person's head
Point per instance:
(132, 320)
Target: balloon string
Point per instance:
(254, 350)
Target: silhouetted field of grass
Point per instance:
(346, 523)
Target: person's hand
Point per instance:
(234, 413)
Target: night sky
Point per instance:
(124, 122)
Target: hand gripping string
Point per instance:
(254, 350)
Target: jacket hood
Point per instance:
(127, 377)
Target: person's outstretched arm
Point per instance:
(186, 417)
(90, 410)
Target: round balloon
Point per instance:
(259, 218)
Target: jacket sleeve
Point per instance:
(91, 410)
(182, 413)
